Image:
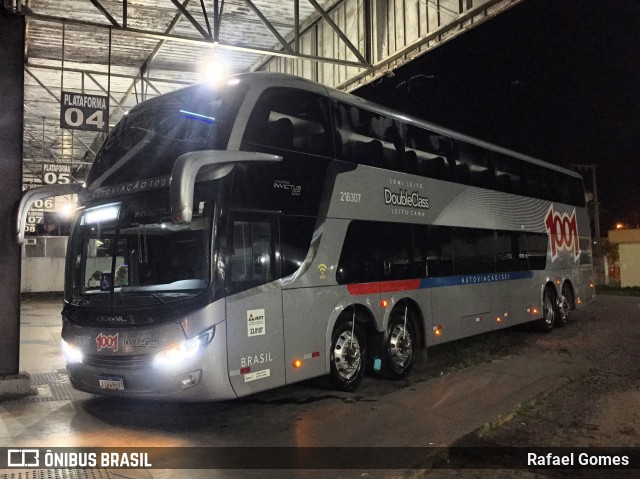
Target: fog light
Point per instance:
(191, 379)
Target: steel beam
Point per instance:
(58, 100)
(340, 33)
(267, 24)
(415, 45)
(106, 13)
(46, 88)
(197, 41)
(117, 75)
(42, 143)
(193, 21)
(206, 17)
(107, 92)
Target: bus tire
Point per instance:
(565, 303)
(348, 355)
(549, 311)
(400, 345)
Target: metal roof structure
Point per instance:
(131, 50)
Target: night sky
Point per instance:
(557, 80)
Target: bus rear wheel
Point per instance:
(348, 355)
(549, 311)
(400, 345)
(565, 303)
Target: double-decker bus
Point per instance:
(235, 238)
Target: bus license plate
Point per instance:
(111, 383)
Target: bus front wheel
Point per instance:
(348, 355)
(400, 345)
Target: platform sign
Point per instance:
(35, 216)
(79, 111)
(54, 173)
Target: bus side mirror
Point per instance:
(204, 165)
(30, 196)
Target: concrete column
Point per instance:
(12, 38)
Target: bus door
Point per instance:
(255, 344)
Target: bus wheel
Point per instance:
(400, 346)
(549, 311)
(348, 355)
(563, 309)
(567, 302)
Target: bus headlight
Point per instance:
(72, 353)
(178, 352)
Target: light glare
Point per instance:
(72, 353)
(67, 210)
(101, 213)
(214, 71)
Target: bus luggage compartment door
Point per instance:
(255, 341)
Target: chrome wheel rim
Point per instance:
(400, 346)
(346, 355)
(548, 310)
(563, 306)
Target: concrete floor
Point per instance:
(434, 411)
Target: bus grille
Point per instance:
(118, 362)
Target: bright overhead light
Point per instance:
(214, 71)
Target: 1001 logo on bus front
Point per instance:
(104, 341)
(563, 233)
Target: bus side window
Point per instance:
(537, 246)
(296, 233)
(375, 251)
(368, 138)
(511, 253)
(396, 251)
(435, 154)
(585, 250)
(473, 251)
(279, 133)
(290, 119)
(360, 259)
(251, 259)
(432, 251)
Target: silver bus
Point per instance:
(235, 238)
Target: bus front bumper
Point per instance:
(203, 377)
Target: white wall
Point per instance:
(42, 275)
(629, 265)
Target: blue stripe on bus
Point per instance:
(467, 279)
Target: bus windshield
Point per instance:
(130, 254)
(147, 141)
